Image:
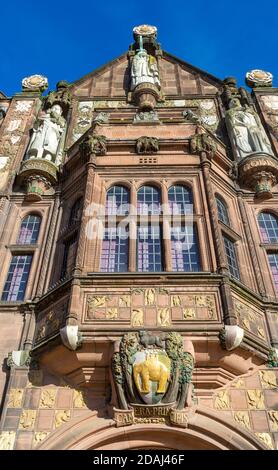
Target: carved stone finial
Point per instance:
(259, 78)
(147, 145)
(37, 83)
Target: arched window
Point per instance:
(180, 200)
(75, 213)
(29, 230)
(268, 224)
(223, 215)
(148, 200)
(117, 201)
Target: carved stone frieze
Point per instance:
(7, 440)
(61, 417)
(250, 320)
(27, 419)
(242, 418)
(15, 398)
(222, 400)
(255, 399)
(48, 396)
(94, 144)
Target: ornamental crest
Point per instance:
(152, 375)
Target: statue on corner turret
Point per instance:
(144, 68)
(47, 134)
(246, 130)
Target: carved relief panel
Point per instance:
(149, 307)
(50, 320)
(250, 319)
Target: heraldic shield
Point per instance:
(152, 375)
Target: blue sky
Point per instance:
(66, 40)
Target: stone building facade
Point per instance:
(139, 254)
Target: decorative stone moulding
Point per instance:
(231, 337)
(146, 95)
(35, 83)
(259, 172)
(38, 175)
(259, 78)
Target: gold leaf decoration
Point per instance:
(273, 418)
(255, 399)
(268, 378)
(175, 301)
(78, 399)
(15, 398)
(61, 417)
(137, 317)
(189, 313)
(39, 437)
(124, 301)
(48, 396)
(149, 296)
(266, 438)
(222, 400)
(163, 317)
(27, 419)
(7, 439)
(111, 314)
(242, 418)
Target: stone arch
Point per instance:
(206, 431)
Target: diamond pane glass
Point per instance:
(273, 261)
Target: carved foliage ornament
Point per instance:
(145, 30)
(35, 83)
(152, 370)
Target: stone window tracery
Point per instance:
(268, 224)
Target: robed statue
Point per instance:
(47, 134)
(144, 69)
(246, 130)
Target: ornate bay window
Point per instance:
(159, 240)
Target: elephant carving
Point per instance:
(151, 370)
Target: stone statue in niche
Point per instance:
(144, 69)
(2, 114)
(47, 134)
(246, 130)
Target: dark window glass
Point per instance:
(268, 224)
(114, 256)
(184, 246)
(75, 213)
(29, 230)
(149, 256)
(148, 200)
(70, 247)
(180, 200)
(231, 257)
(17, 279)
(117, 201)
(223, 215)
(273, 261)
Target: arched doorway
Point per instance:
(205, 431)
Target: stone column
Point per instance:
(166, 227)
(133, 229)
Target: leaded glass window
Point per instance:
(117, 201)
(15, 286)
(180, 200)
(114, 257)
(149, 252)
(223, 215)
(29, 230)
(273, 261)
(70, 247)
(231, 257)
(148, 200)
(184, 248)
(268, 224)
